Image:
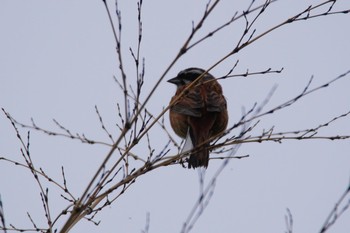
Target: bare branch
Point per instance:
(102, 125)
(117, 38)
(340, 207)
(148, 220)
(304, 93)
(289, 221)
(2, 216)
(82, 138)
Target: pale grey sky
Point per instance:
(57, 61)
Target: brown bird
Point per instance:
(199, 115)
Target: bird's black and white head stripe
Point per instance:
(189, 75)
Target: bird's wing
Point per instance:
(190, 104)
(215, 101)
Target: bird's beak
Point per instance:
(175, 81)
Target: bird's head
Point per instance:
(189, 75)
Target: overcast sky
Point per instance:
(58, 59)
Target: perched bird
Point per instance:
(199, 115)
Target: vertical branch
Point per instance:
(117, 38)
(2, 216)
(148, 220)
(289, 221)
(44, 194)
(139, 75)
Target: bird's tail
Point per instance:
(199, 157)
(199, 133)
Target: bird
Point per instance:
(197, 114)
